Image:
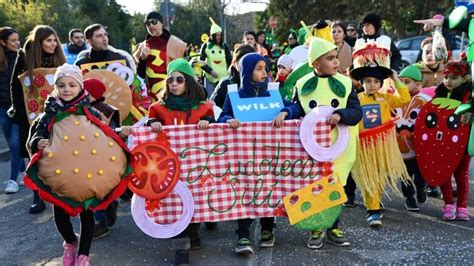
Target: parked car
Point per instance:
(410, 48)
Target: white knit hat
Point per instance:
(67, 70)
(286, 61)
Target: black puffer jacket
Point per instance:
(92, 56)
(5, 79)
(220, 92)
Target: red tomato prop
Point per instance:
(440, 140)
(157, 170)
(39, 80)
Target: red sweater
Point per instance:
(166, 116)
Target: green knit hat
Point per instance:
(180, 65)
(214, 27)
(317, 48)
(412, 72)
(302, 36)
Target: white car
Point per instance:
(410, 47)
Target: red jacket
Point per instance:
(159, 112)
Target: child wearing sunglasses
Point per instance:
(183, 103)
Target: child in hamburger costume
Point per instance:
(110, 116)
(379, 161)
(79, 164)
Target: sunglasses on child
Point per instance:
(152, 21)
(179, 80)
(351, 30)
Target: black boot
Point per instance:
(432, 192)
(111, 213)
(210, 225)
(181, 245)
(38, 205)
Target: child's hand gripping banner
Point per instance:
(236, 174)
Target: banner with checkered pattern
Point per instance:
(237, 173)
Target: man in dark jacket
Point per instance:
(371, 27)
(76, 45)
(101, 51)
(351, 36)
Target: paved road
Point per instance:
(405, 238)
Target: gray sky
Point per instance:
(235, 6)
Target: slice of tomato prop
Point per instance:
(156, 170)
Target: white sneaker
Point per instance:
(12, 187)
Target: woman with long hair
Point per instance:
(42, 49)
(9, 45)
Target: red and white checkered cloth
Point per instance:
(231, 197)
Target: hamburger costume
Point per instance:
(85, 164)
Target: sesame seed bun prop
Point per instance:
(84, 166)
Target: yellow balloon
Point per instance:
(204, 37)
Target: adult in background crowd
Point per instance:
(155, 53)
(100, 51)
(292, 41)
(9, 45)
(42, 49)
(431, 70)
(371, 27)
(250, 38)
(338, 31)
(262, 41)
(217, 55)
(76, 44)
(351, 34)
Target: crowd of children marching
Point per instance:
(370, 97)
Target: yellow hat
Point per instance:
(214, 27)
(317, 48)
(322, 29)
